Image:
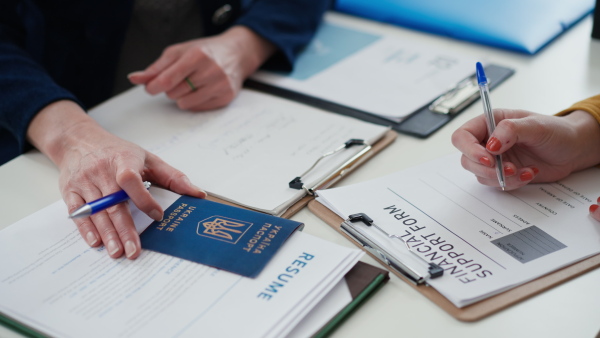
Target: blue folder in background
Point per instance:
(521, 25)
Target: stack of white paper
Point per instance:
(51, 281)
(247, 152)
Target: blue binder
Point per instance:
(520, 25)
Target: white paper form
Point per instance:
(246, 153)
(53, 282)
(486, 240)
(378, 74)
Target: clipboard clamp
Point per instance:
(433, 271)
(338, 173)
(457, 98)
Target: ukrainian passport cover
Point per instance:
(225, 237)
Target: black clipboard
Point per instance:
(423, 122)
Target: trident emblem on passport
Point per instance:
(222, 228)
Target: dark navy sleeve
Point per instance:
(25, 87)
(288, 24)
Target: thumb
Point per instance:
(171, 178)
(510, 132)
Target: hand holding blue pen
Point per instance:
(489, 117)
(103, 203)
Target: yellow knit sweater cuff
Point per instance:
(590, 105)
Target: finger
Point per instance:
(510, 183)
(183, 88)
(140, 77)
(176, 73)
(102, 222)
(526, 175)
(208, 98)
(86, 228)
(171, 178)
(107, 232)
(508, 132)
(120, 217)
(468, 139)
(167, 58)
(595, 210)
(202, 79)
(131, 181)
(521, 178)
(488, 172)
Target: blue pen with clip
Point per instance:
(489, 117)
(103, 203)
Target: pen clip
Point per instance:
(338, 173)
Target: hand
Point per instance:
(94, 163)
(535, 148)
(216, 67)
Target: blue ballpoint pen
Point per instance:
(103, 203)
(489, 117)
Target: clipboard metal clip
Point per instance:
(337, 174)
(457, 98)
(433, 270)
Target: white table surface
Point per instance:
(566, 71)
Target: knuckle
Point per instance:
(107, 233)
(455, 138)
(464, 162)
(509, 125)
(164, 82)
(171, 51)
(126, 175)
(71, 207)
(115, 211)
(171, 95)
(183, 105)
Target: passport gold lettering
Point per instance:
(262, 238)
(283, 279)
(173, 219)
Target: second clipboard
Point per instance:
(423, 122)
(483, 308)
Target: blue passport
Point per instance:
(225, 237)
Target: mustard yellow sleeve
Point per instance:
(590, 105)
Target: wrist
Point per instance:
(253, 48)
(587, 136)
(58, 127)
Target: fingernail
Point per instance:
(535, 170)
(155, 215)
(91, 238)
(130, 249)
(508, 171)
(135, 74)
(593, 207)
(112, 247)
(493, 144)
(526, 176)
(598, 200)
(485, 161)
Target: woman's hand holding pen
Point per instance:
(94, 163)
(535, 148)
(206, 73)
